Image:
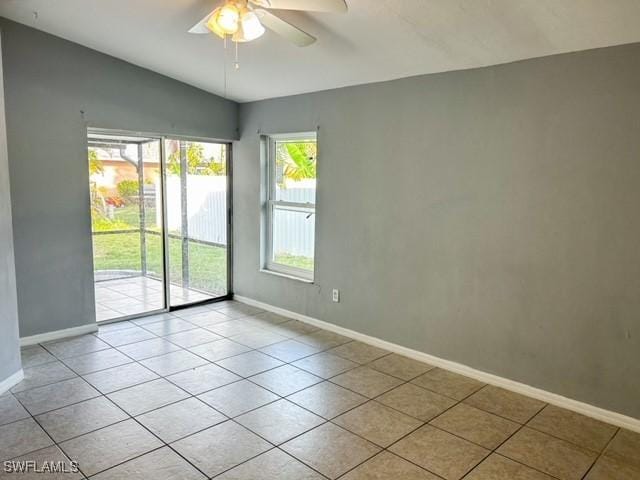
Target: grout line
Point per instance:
(323, 349)
(601, 454)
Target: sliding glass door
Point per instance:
(159, 214)
(197, 219)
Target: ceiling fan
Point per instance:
(245, 20)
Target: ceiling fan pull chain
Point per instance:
(237, 63)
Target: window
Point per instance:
(290, 204)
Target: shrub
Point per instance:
(128, 188)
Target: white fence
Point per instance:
(207, 207)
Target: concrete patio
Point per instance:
(135, 295)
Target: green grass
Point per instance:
(125, 218)
(294, 261)
(207, 263)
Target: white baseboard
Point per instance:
(11, 381)
(58, 334)
(598, 413)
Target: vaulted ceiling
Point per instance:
(376, 40)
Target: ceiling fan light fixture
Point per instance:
(251, 26)
(227, 18)
(213, 26)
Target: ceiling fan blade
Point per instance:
(329, 6)
(284, 29)
(201, 26)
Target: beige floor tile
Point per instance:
(497, 467)
(448, 383)
(327, 400)
(293, 329)
(272, 465)
(193, 338)
(80, 418)
(416, 402)
(22, 437)
(271, 318)
(325, 365)
(366, 381)
(506, 404)
(400, 367)
(147, 396)
(75, 346)
(607, 468)
(168, 327)
(181, 419)
(250, 363)
(221, 448)
(377, 423)
(387, 466)
(11, 410)
(147, 320)
(260, 321)
(359, 352)
(58, 395)
(116, 378)
(238, 310)
(285, 380)
(625, 446)
(279, 421)
(35, 355)
(201, 379)
(289, 350)
(238, 398)
(124, 337)
(330, 450)
(202, 318)
(50, 455)
(477, 426)
(173, 362)
(148, 348)
(440, 452)
(548, 454)
(45, 374)
(323, 339)
(104, 448)
(219, 350)
(233, 327)
(101, 360)
(161, 464)
(573, 427)
(115, 326)
(207, 321)
(258, 338)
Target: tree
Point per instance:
(197, 164)
(298, 160)
(95, 165)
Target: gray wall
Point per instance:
(48, 83)
(9, 343)
(489, 217)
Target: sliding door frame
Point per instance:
(162, 138)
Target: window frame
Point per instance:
(271, 204)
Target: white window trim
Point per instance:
(270, 204)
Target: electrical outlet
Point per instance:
(336, 295)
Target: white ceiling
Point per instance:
(377, 40)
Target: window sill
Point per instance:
(286, 275)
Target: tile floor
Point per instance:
(134, 295)
(230, 392)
